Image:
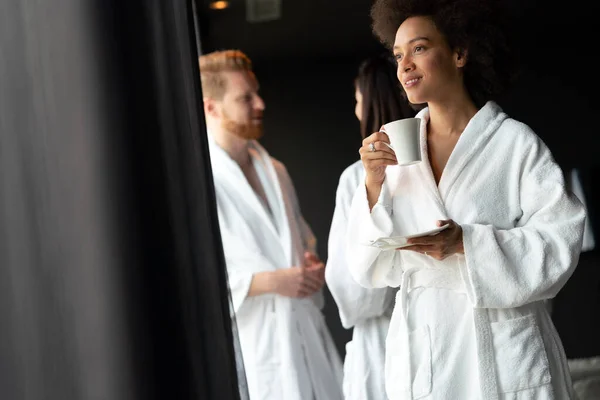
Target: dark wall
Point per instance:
(310, 126)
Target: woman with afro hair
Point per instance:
(469, 321)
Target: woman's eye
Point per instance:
(418, 49)
(398, 57)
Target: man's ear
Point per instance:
(460, 57)
(211, 107)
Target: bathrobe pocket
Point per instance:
(521, 360)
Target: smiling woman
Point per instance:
(470, 320)
(474, 25)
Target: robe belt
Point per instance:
(448, 278)
(415, 277)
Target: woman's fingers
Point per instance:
(379, 149)
(376, 137)
(420, 249)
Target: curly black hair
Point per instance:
(476, 25)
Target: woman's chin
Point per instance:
(415, 99)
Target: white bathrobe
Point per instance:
(368, 311)
(287, 349)
(474, 326)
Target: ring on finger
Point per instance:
(372, 147)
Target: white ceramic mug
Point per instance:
(405, 139)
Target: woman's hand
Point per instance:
(440, 246)
(376, 156)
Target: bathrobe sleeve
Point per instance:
(369, 266)
(355, 303)
(242, 256)
(506, 268)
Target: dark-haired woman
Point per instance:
(469, 320)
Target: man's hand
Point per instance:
(299, 281)
(313, 263)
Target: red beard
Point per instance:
(246, 131)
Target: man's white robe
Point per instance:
(287, 349)
(474, 326)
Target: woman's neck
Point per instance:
(450, 117)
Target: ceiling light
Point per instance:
(219, 5)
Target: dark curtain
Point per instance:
(112, 278)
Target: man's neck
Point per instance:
(234, 146)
